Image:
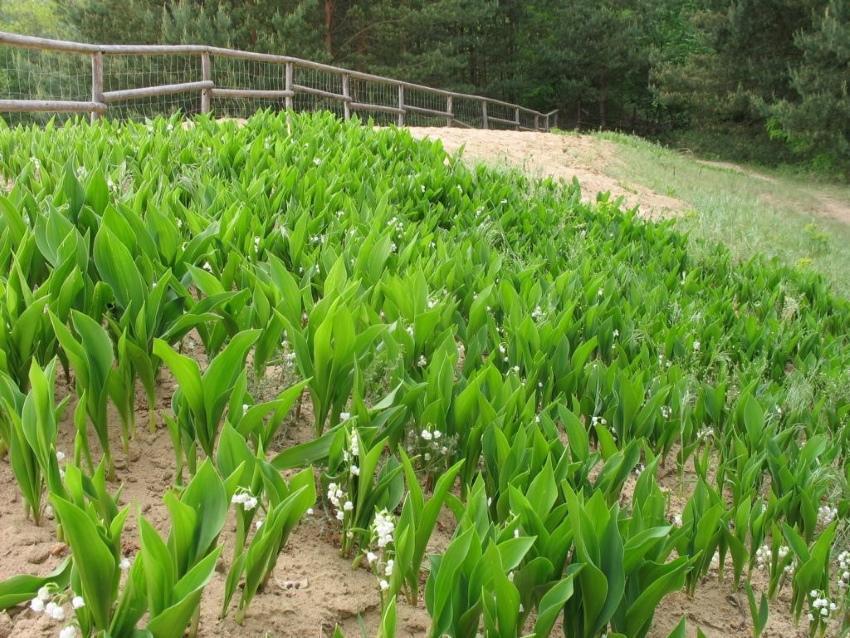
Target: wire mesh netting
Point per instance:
(500, 116)
(135, 72)
(322, 81)
(29, 74)
(379, 94)
(420, 98)
(528, 120)
(44, 75)
(237, 73)
(468, 112)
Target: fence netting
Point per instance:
(36, 74)
(133, 72)
(44, 75)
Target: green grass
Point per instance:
(750, 211)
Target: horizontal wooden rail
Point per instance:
(424, 111)
(51, 106)
(207, 89)
(300, 88)
(252, 93)
(154, 91)
(492, 118)
(381, 108)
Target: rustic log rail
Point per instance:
(207, 90)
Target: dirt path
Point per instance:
(558, 156)
(813, 198)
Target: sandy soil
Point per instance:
(313, 589)
(557, 156)
(589, 159)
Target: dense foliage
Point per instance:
(530, 360)
(755, 79)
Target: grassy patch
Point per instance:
(765, 212)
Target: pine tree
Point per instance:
(817, 123)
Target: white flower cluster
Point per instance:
(384, 527)
(664, 361)
(431, 442)
(351, 455)
(60, 458)
(697, 346)
(844, 570)
(396, 224)
(704, 434)
(826, 514)
(537, 314)
(338, 499)
(288, 353)
(421, 362)
(44, 603)
(247, 500)
(762, 556)
(666, 412)
(790, 568)
(820, 606)
(598, 420)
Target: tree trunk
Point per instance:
(329, 22)
(603, 102)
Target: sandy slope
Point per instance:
(558, 156)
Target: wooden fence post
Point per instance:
(290, 71)
(206, 76)
(346, 96)
(96, 81)
(102, 95)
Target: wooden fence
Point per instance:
(284, 79)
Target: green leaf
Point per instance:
(19, 589)
(117, 268)
(93, 560)
(553, 601)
